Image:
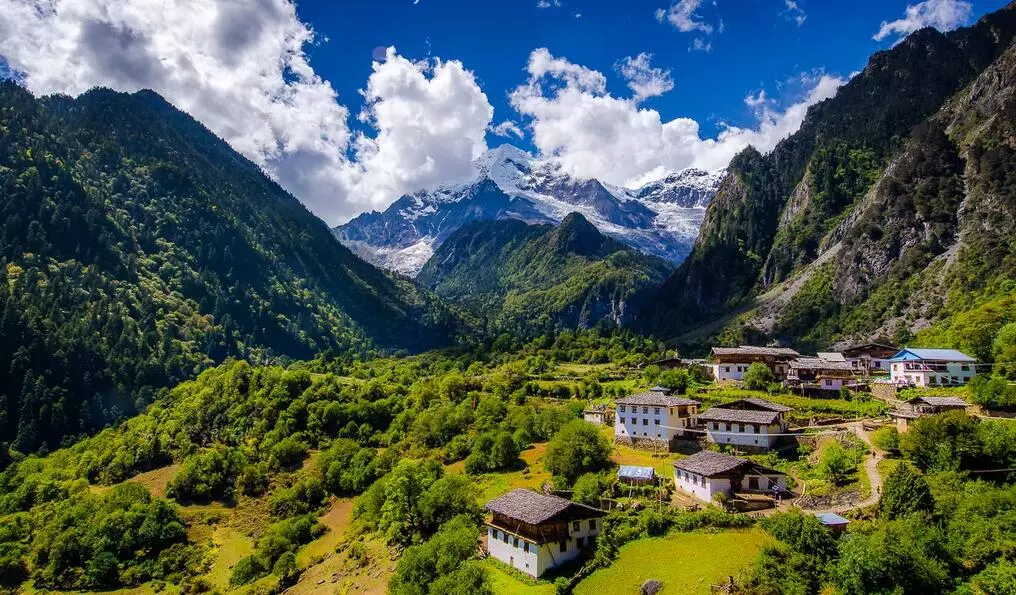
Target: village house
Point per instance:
(730, 363)
(654, 418)
(707, 473)
(825, 372)
(535, 532)
(870, 358)
(752, 424)
(600, 415)
(636, 475)
(918, 407)
(915, 366)
(832, 521)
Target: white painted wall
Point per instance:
(740, 434)
(729, 371)
(954, 375)
(648, 422)
(539, 559)
(703, 488)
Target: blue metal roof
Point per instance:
(941, 355)
(633, 472)
(831, 518)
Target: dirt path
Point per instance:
(870, 468)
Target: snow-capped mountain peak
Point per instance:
(660, 218)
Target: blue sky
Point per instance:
(761, 47)
(624, 92)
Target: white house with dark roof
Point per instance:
(826, 373)
(730, 363)
(535, 532)
(918, 407)
(753, 424)
(654, 417)
(707, 473)
(917, 366)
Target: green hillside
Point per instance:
(136, 248)
(531, 279)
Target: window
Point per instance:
(645, 421)
(576, 526)
(504, 537)
(592, 524)
(525, 548)
(754, 429)
(726, 368)
(515, 542)
(828, 382)
(645, 410)
(965, 368)
(564, 546)
(656, 410)
(580, 542)
(622, 408)
(656, 421)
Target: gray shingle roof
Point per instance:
(655, 399)
(943, 401)
(531, 507)
(817, 363)
(709, 463)
(750, 416)
(750, 350)
(761, 404)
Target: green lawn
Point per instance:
(685, 563)
(507, 584)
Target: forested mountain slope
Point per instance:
(137, 248)
(531, 279)
(828, 237)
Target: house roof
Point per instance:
(817, 363)
(656, 399)
(635, 472)
(904, 414)
(750, 416)
(831, 518)
(941, 401)
(869, 347)
(831, 356)
(710, 463)
(758, 403)
(938, 355)
(751, 350)
(532, 507)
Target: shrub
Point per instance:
(758, 377)
(208, 475)
(577, 448)
(905, 491)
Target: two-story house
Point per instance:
(869, 358)
(730, 363)
(535, 532)
(824, 373)
(706, 473)
(752, 424)
(918, 366)
(654, 418)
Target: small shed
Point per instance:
(833, 521)
(634, 475)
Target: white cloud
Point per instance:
(591, 133)
(645, 80)
(430, 117)
(794, 12)
(700, 45)
(943, 15)
(683, 17)
(548, 3)
(508, 128)
(239, 67)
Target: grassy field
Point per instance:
(686, 563)
(504, 583)
(492, 485)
